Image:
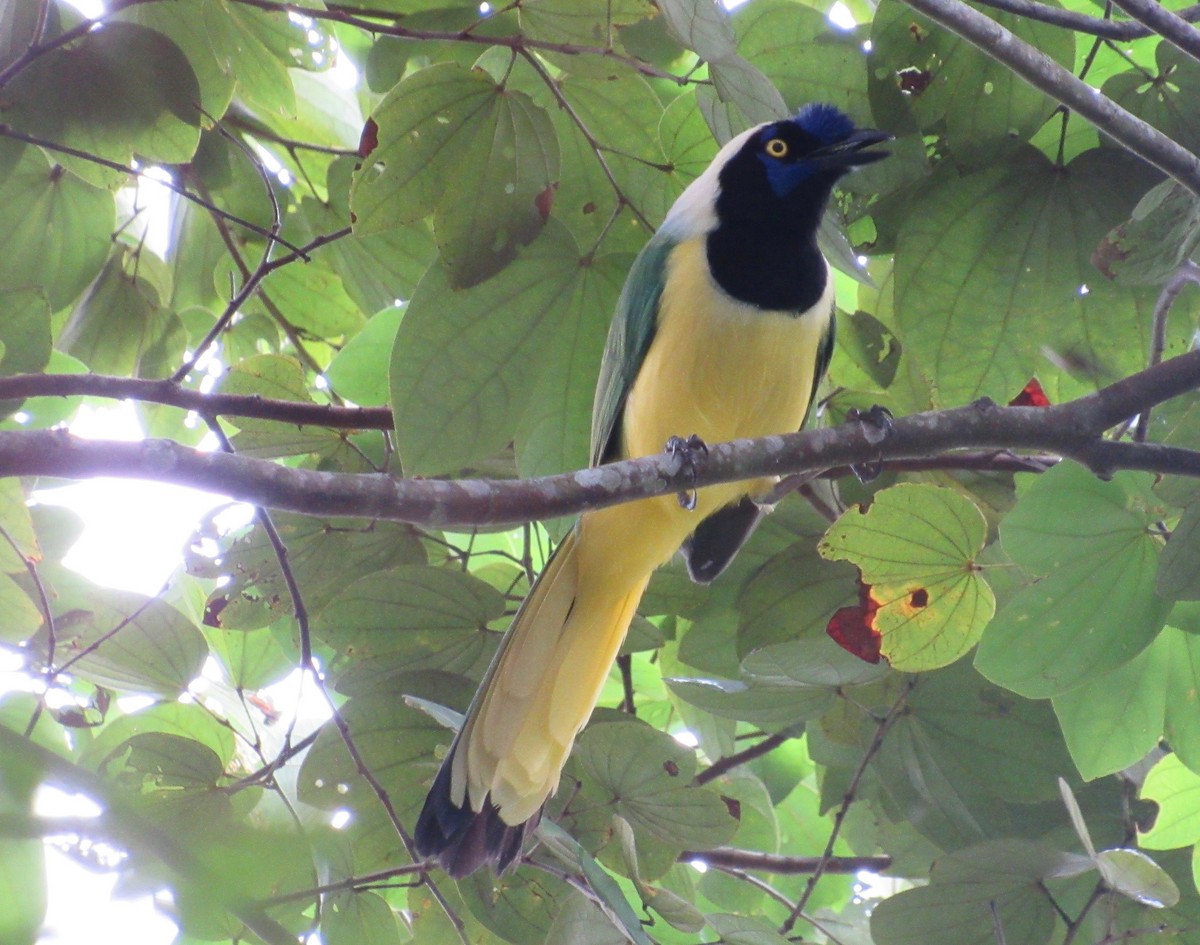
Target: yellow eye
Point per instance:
(776, 147)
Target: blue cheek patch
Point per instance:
(782, 177)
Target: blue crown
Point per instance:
(824, 122)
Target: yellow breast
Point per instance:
(717, 368)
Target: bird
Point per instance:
(723, 330)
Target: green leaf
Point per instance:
(744, 930)
(1163, 100)
(916, 546)
(120, 91)
(1163, 231)
(1096, 609)
(54, 230)
(1180, 562)
(24, 331)
(579, 921)
(280, 378)
(19, 541)
(989, 273)
(1176, 791)
(23, 893)
(360, 370)
(981, 106)
(649, 776)
(809, 663)
(518, 908)
(702, 26)
(573, 22)
(315, 302)
(417, 610)
(740, 83)
(833, 68)
(770, 707)
(462, 359)
(377, 269)
(324, 556)
(793, 595)
(966, 760)
(183, 720)
(1112, 721)
(350, 918)
(22, 618)
(444, 124)
(1133, 874)
(130, 643)
(1182, 695)
(553, 432)
(965, 913)
(120, 326)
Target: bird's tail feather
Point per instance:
(537, 695)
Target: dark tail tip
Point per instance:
(462, 840)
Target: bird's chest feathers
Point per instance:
(718, 367)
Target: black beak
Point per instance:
(849, 151)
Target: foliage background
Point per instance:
(427, 295)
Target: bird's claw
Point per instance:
(877, 427)
(686, 450)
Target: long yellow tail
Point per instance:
(537, 695)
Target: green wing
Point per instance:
(629, 338)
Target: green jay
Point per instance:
(723, 330)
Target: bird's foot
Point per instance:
(877, 427)
(686, 449)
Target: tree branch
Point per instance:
(1072, 430)
(1171, 26)
(21, 386)
(731, 858)
(757, 750)
(1040, 71)
(1116, 30)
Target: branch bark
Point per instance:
(1072, 430)
(1116, 30)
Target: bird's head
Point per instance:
(777, 172)
(819, 142)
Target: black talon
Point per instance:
(685, 450)
(877, 426)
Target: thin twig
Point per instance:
(596, 147)
(881, 730)
(310, 668)
(249, 285)
(729, 762)
(1188, 273)
(625, 664)
(7, 131)
(145, 390)
(392, 25)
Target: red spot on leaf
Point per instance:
(368, 141)
(1032, 395)
(919, 598)
(733, 806)
(671, 768)
(544, 201)
(853, 628)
